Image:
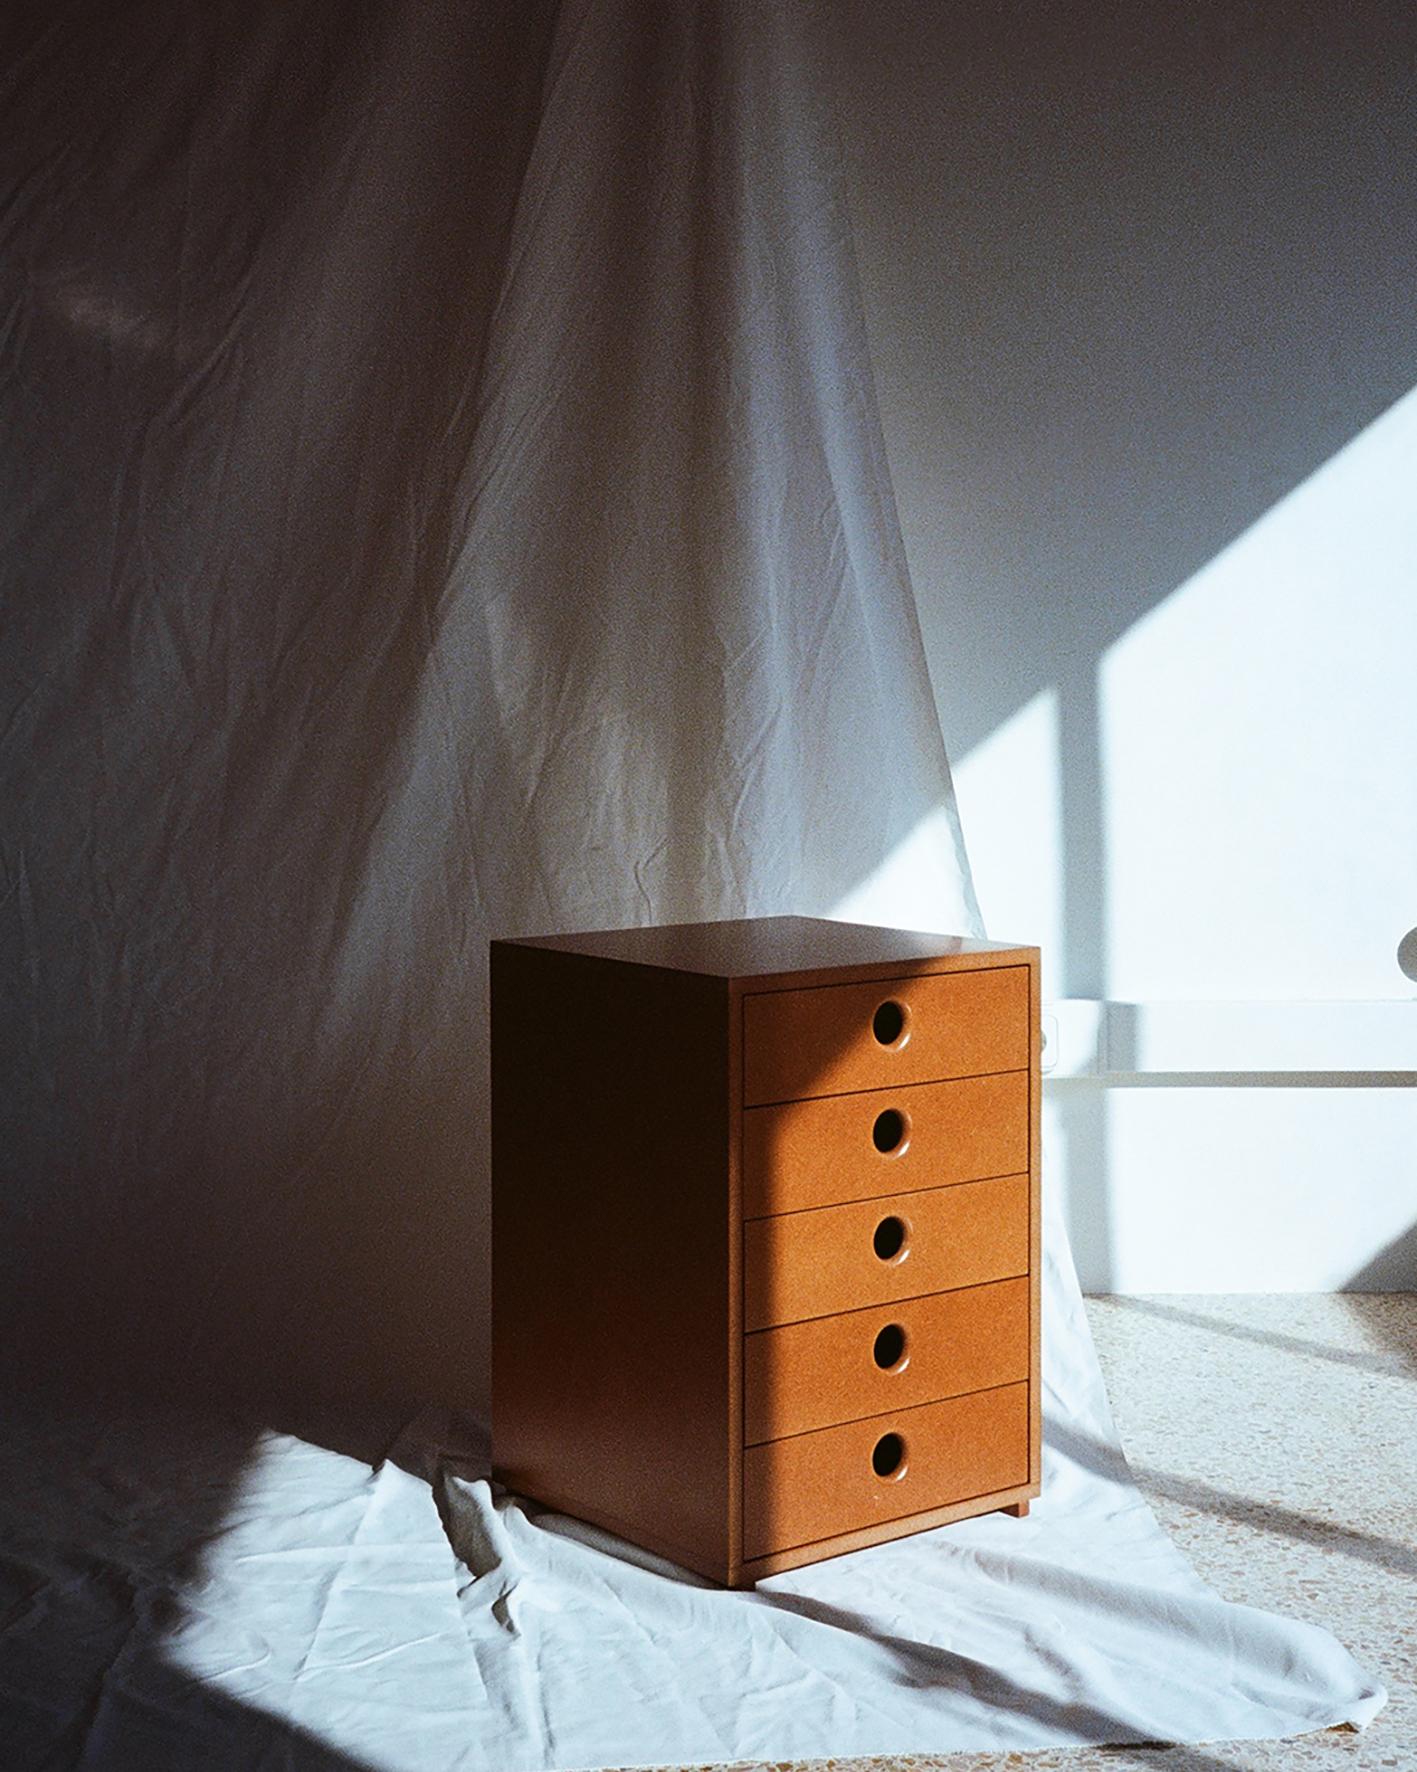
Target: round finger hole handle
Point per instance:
(889, 1238)
(888, 1349)
(889, 1022)
(888, 1456)
(890, 1131)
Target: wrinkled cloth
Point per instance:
(443, 498)
(193, 1590)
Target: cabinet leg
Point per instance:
(1019, 1510)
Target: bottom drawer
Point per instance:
(839, 1479)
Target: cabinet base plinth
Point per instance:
(1007, 1500)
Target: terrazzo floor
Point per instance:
(1274, 1437)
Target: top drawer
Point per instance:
(833, 1039)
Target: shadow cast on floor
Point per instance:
(106, 1503)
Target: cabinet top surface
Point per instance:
(757, 946)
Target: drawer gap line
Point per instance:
(1006, 1384)
(890, 1304)
(900, 1193)
(887, 1304)
(882, 1088)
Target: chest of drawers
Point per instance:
(765, 1234)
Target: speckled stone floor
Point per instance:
(1275, 1437)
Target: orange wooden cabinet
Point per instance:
(765, 1234)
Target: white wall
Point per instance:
(1138, 283)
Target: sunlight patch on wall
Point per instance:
(914, 887)
(1008, 798)
(1259, 750)
(1010, 808)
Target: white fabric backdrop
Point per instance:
(444, 499)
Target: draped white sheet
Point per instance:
(443, 498)
(339, 1606)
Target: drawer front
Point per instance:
(842, 1258)
(838, 1369)
(883, 1034)
(858, 1147)
(817, 1485)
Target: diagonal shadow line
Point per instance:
(1179, 1758)
(923, 1664)
(926, 1665)
(1393, 1365)
(1389, 1554)
(108, 1502)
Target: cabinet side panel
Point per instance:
(610, 1135)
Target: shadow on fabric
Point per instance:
(107, 1501)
